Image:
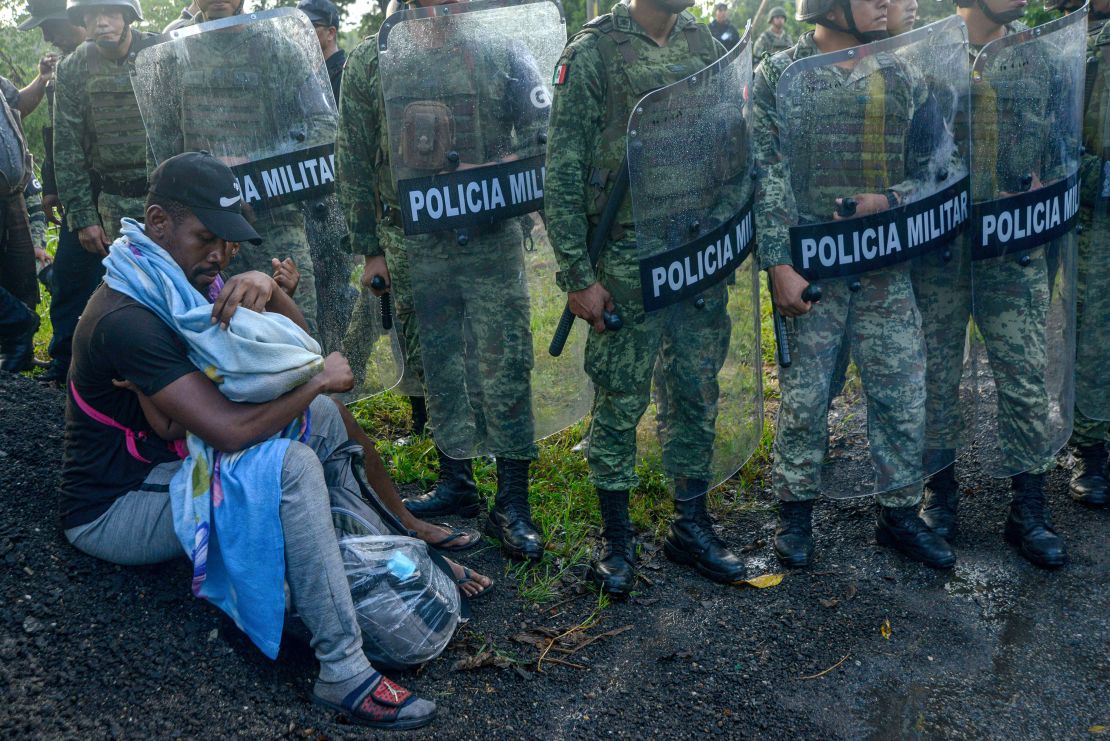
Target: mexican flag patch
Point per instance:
(560, 76)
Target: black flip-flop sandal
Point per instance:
(468, 578)
(376, 703)
(473, 538)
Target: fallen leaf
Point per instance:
(763, 581)
(1098, 729)
(829, 603)
(851, 591)
(479, 660)
(885, 629)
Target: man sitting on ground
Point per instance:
(115, 480)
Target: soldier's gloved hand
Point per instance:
(286, 274)
(251, 290)
(375, 265)
(788, 290)
(336, 376)
(94, 240)
(589, 303)
(52, 207)
(866, 204)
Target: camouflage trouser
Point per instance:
(1092, 381)
(283, 235)
(943, 291)
(331, 266)
(465, 321)
(1009, 303)
(883, 329)
(112, 208)
(684, 347)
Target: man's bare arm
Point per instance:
(195, 402)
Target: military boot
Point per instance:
(510, 520)
(454, 494)
(1029, 526)
(419, 415)
(615, 571)
(794, 535)
(902, 529)
(18, 325)
(1089, 484)
(692, 541)
(942, 499)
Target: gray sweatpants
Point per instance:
(138, 529)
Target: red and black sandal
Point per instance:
(380, 703)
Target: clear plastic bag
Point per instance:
(407, 606)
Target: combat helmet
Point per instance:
(1067, 5)
(778, 12)
(75, 9)
(1005, 17)
(42, 11)
(814, 11)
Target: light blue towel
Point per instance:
(225, 506)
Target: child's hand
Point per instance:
(286, 274)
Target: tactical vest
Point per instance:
(223, 94)
(853, 134)
(119, 138)
(432, 116)
(1010, 111)
(632, 70)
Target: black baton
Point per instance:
(378, 284)
(600, 236)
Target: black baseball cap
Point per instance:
(210, 190)
(320, 12)
(42, 11)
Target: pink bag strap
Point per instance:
(177, 446)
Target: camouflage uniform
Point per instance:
(880, 321)
(98, 130)
(1009, 303)
(1093, 310)
(220, 113)
(771, 43)
(611, 64)
(480, 280)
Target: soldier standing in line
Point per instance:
(614, 61)
(207, 86)
(1090, 481)
(454, 104)
(76, 273)
(876, 311)
(97, 126)
(19, 293)
(775, 38)
(1021, 142)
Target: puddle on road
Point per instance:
(991, 586)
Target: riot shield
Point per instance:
(882, 128)
(1027, 102)
(467, 146)
(693, 207)
(253, 90)
(1092, 383)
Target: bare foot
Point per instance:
(470, 582)
(432, 534)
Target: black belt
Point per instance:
(133, 188)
